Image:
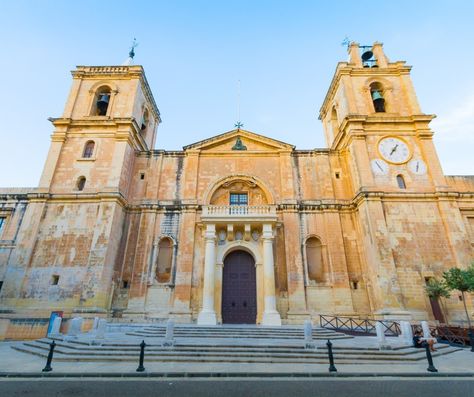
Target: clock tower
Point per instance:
(371, 113)
(372, 120)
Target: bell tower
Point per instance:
(109, 115)
(371, 113)
(77, 214)
(372, 120)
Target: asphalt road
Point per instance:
(380, 387)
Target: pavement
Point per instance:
(281, 387)
(14, 363)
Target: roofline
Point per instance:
(223, 135)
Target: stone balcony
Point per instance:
(239, 213)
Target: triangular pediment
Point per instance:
(240, 140)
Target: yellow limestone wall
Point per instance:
(379, 242)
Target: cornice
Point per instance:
(121, 128)
(276, 144)
(121, 72)
(345, 68)
(178, 206)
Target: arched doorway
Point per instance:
(239, 290)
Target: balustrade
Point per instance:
(238, 210)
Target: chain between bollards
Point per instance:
(332, 367)
(431, 367)
(141, 368)
(48, 367)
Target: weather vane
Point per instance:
(346, 42)
(131, 54)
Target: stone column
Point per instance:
(208, 313)
(270, 314)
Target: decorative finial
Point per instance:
(346, 42)
(238, 125)
(131, 53)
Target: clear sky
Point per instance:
(194, 52)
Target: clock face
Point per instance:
(379, 167)
(394, 150)
(417, 167)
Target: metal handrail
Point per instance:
(358, 326)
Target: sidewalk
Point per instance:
(459, 363)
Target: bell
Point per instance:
(376, 95)
(367, 55)
(102, 104)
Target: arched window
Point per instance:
(101, 101)
(314, 258)
(145, 120)
(81, 182)
(164, 260)
(401, 182)
(376, 93)
(88, 149)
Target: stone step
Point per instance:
(196, 347)
(237, 333)
(200, 350)
(217, 330)
(208, 358)
(224, 329)
(232, 336)
(64, 352)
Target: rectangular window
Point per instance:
(55, 279)
(239, 199)
(2, 223)
(1, 285)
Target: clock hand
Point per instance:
(378, 165)
(417, 165)
(394, 149)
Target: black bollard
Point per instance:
(48, 367)
(141, 368)
(332, 367)
(431, 367)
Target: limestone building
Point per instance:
(237, 228)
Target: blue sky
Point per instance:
(194, 52)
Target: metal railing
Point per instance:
(451, 334)
(357, 326)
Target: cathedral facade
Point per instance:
(237, 228)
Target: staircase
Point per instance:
(227, 344)
(238, 332)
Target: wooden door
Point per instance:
(437, 313)
(239, 291)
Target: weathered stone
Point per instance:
(55, 329)
(101, 329)
(380, 330)
(329, 230)
(407, 332)
(75, 327)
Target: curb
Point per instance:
(232, 375)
